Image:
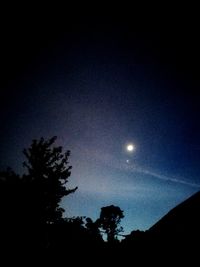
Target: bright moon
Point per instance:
(130, 147)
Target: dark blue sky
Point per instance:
(98, 87)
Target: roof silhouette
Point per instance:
(184, 218)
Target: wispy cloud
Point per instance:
(161, 177)
(109, 160)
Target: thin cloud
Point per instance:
(163, 177)
(109, 160)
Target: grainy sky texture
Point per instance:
(99, 87)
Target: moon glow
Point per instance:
(130, 147)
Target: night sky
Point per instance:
(98, 88)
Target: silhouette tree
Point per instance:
(47, 174)
(93, 229)
(30, 203)
(110, 218)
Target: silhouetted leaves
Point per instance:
(110, 218)
(32, 201)
(48, 171)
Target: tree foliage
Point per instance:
(110, 218)
(35, 196)
(48, 171)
